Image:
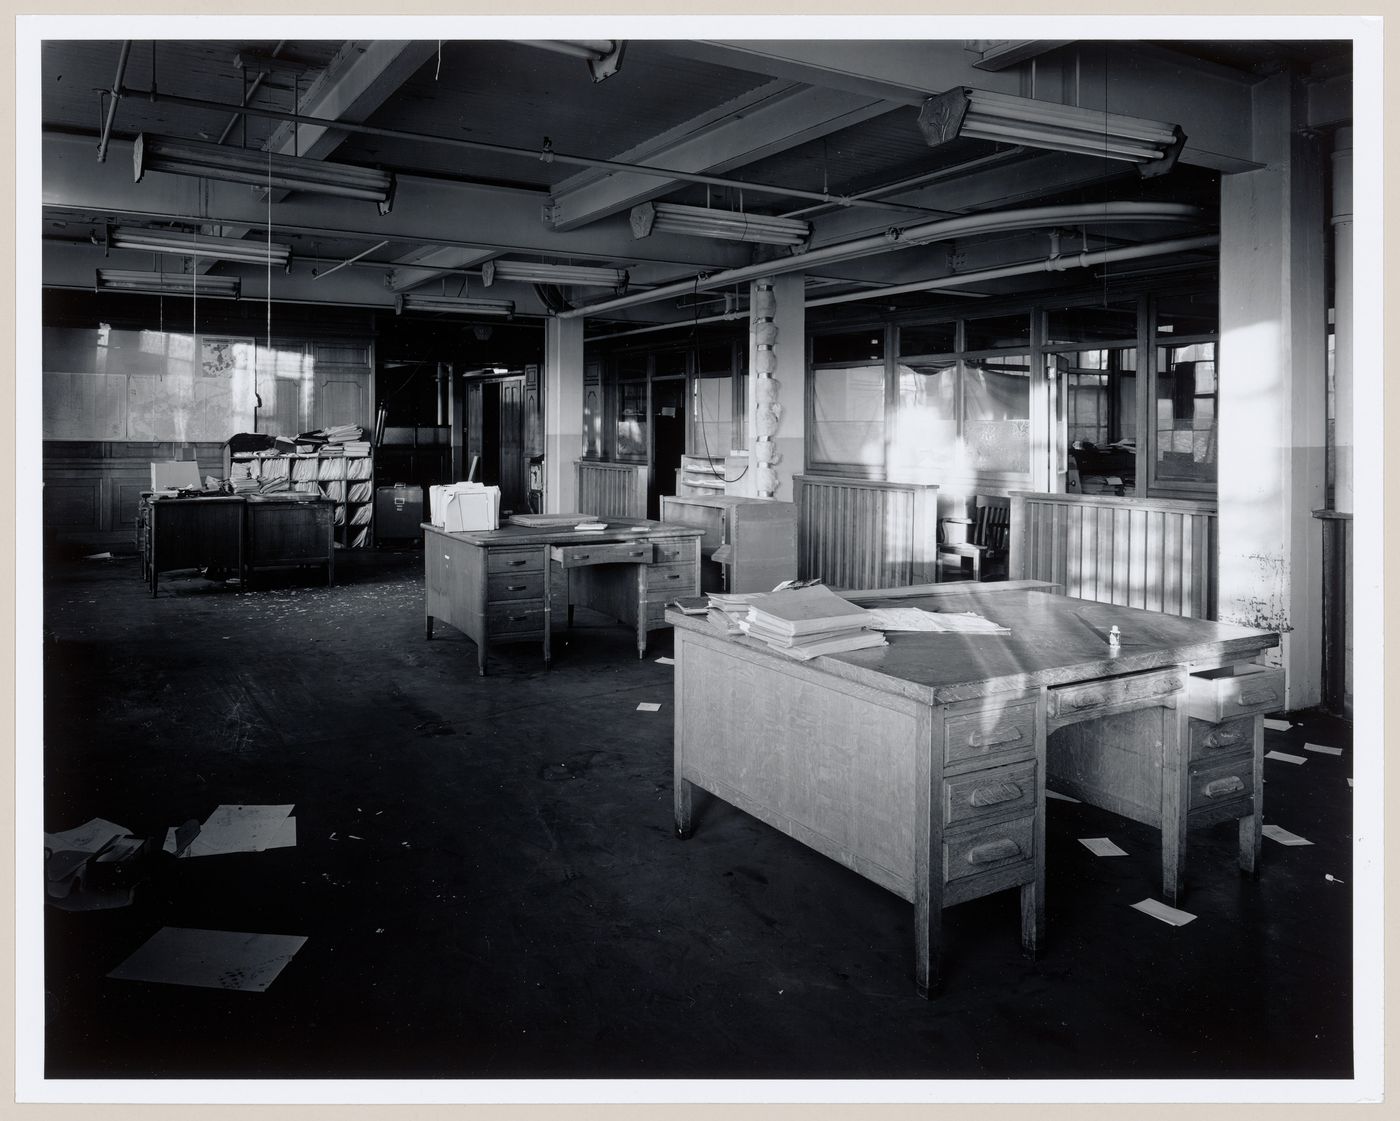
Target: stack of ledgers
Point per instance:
(805, 622)
(359, 469)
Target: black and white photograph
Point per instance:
(734, 560)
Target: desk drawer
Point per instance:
(672, 552)
(1219, 694)
(989, 848)
(504, 586)
(666, 581)
(515, 560)
(1213, 741)
(993, 734)
(523, 617)
(1214, 782)
(622, 552)
(990, 795)
(1091, 698)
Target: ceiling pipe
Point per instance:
(248, 95)
(116, 97)
(546, 154)
(1003, 221)
(1026, 268)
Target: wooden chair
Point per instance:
(983, 539)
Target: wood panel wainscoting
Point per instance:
(611, 490)
(92, 487)
(862, 533)
(1157, 554)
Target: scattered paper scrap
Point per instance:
(647, 706)
(1349, 783)
(1322, 749)
(1169, 915)
(210, 959)
(1277, 725)
(663, 661)
(1331, 879)
(1283, 836)
(917, 619)
(99, 556)
(245, 829)
(85, 838)
(1061, 797)
(1284, 757)
(1102, 846)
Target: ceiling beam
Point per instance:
(998, 54)
(430, 262)
(772, 119)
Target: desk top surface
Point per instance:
(1054, 640)
(618, 529)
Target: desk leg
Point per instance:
(427, 627)
(684, 788)
(1176, 747)
(1251, 825)
(928, 863)
(642, 584)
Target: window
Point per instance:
(925, 420)
(849, 347)
(996, 425)
(848, 416)
(714, 416)
(631, 434)
(1185, 413)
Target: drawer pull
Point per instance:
(1007, 733)
(515, 563)
(580, 556)
(1171, 685)
(1258, 697)
(1087, 700)
(1224, 739)
(1223, 787)
(516, 587)
(517, 618)
(636, 554)
(673, 576)
(995, 794)
(993, 851)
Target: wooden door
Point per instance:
(473, 435)
(511, 444)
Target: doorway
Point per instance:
(668, 439)
(497, 429)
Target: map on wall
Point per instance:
(219, 357)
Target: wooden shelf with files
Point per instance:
(347, 480)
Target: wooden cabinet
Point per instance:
(289, 532)
(192, 533)
(749, 544)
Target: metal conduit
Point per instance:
(1048, 264)
(547, 155)
(1003, 221)
(116, 97)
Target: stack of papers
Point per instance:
(938, 622)
(805, 622)
(729, 611)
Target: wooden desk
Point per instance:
(191, 533)
(498, 584)
(287, 532)
(922, 765)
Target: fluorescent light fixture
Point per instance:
(604, 56)
(453, 305)
(729, 225)
(1153, 145)
(261, 169)
(170, 283)
(536, 272)
(183, 244)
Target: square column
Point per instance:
(777, 397)
(563, 411)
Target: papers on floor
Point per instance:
(647, 706)
(664, 661)
(1284, 757)
(1283, 836)
(240, 829)
(210, 959)
(1057, 796)
(1322, 749)
(1101, 846)
(1277, 725)
(1161, 911)
(935, 622)
(805, 622)
(88, 838)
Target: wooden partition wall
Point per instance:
(860, 533)
(611, 490)
(1157, 554)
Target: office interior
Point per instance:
(1036, 319)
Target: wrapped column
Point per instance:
(776, 385)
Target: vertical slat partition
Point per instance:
(861, 533)
(1152, 553)
(611, 490)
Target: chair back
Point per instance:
(992, 527)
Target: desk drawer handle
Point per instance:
(1172, 685)
(636, 554)
(993, 851)
(580, 556)
(1224, 739)
(517, 618)
(673, 576)
(1007, 733)
(1223, 787)
(1259, 697)
(995, 794)
(516, 563)
(516, 587)
(1087, 700)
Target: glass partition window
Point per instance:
(925, 420)
(631, 413)
(996, 413)
(1185, 413)
(848, 415)
(714, 416)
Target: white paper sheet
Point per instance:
(89, 837)
(1101, 846)
(1283, 836)
(665, 661)
(1169, 915)
(936, 622)
(1284, 757)
(245, 829)
(647, 706)
(1055, 794)
(210, 959)
(1322, 749)
(1277, 725)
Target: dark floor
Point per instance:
(516, 905)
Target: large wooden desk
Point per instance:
(500, 583)
(922, 765)
(191, 533)
(285, 532)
